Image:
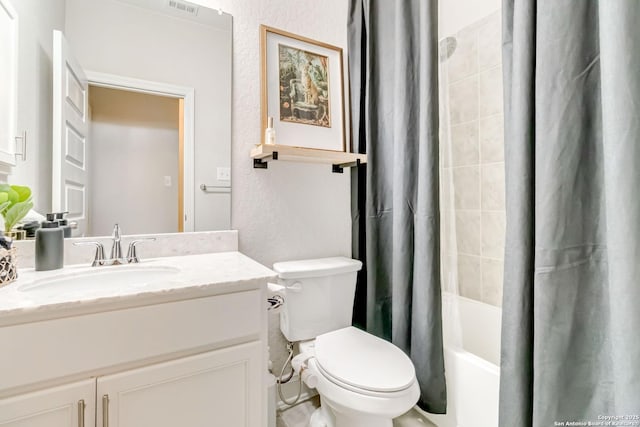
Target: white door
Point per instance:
(70, 405)
(218, 388)
(70, 135)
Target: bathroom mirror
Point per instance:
(127, 113)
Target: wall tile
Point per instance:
(490, 92)
(475, 164)
(493, 230)
(492, 187)
(468, 232)
(464, 60)
(447, 245)
(469, 277)
(491, 135)
(463, 100)
(446, 191)
(466, 180)
(464, 143)
(490, 42)
(492, 278)
(449, 267)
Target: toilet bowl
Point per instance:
(363, 381)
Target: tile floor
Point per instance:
(298, 416)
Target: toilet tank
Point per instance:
(319, 295)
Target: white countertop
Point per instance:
(199, 276)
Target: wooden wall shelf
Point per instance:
(262, 154)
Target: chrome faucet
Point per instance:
(116, 249)
(116, 257)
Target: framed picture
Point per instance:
(303, 90)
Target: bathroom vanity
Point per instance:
(176, 341)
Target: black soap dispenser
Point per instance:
(49, 245)
(63, 223)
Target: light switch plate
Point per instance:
(223, 174)
(167, 181)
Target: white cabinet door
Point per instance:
(70, 135)
(218, 388)
(8, 81)
(70, 405)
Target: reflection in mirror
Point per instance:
(158, 113)
(127, 129)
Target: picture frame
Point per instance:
(302, 88)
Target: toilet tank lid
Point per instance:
(316, 267)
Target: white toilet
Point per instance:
(363, 381)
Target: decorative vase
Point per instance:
(8, 266)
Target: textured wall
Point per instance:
(289, 211)
(476, 161)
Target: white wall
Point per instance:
(289, 211)
(134, 145)
(113, 37)
(458, 14)
(37, 21)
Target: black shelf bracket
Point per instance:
(260, 164)
(263, 163)
(340, 168)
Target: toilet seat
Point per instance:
(363, 363)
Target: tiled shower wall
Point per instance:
(476, 163)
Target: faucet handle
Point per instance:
(98, 259)
(132, 255)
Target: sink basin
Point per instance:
(89, 281)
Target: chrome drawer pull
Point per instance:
(105, 410)
(81, 407)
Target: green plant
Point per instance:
(15, 204)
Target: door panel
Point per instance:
(70, 135)
(218, 388)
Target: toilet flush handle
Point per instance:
(295, 287)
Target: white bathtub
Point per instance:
(472, 360)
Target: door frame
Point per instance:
(131, 84)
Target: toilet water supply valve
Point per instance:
(275, 301)
(298, 366)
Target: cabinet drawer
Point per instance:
(96, 343)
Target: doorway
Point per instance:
(136, 161)
(174, 197)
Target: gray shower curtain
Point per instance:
(571, 309)
(393, 62)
